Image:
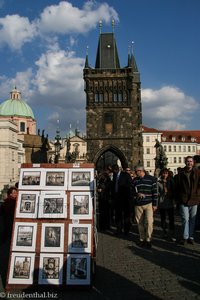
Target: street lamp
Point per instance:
(57, 145)
(68, 156)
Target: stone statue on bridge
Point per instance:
(160, 159)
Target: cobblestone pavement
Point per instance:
(126, 271)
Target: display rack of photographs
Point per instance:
(53, 241)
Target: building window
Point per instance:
(108, 123)
(98, 97)
(165, 148)
(179, 148)
(148, 164)
(117, 97)
(120, 98)
(174, 148)
(148, 150)
(174, 160)
(193, 149)
(22, 127)
(76, 149)
(147, 139)
(184, 148)
(189, 148)
(170, 148)
(180, 160)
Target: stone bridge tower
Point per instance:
(113, 107)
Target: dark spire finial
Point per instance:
(100, 26)
(113, 25)
(86, 58)
(132, 43)
(129, 56)
(133, 62)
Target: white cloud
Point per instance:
(58, 86)
(59, 75)
(167, 108)
(15, 31)
(65, 18)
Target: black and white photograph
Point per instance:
(55, 178)
(80, 205)
(24, 236)
(27, 204)
(53, 205)
(21, 268)
(30, 179)
(79, 238)
(78, 269)
(52, 239)
(51, 268)
(81, 179)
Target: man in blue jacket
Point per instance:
(146, 201)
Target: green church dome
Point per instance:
(15, 106)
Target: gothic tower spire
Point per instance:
(113, 107)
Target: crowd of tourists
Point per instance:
(133, 196)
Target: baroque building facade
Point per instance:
(176, 144)
(19, 142)
(113, 107)
(74, 144)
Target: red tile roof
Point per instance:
(176, 135)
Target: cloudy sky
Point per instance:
(43, 46)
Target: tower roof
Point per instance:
(107, 55)
(15, 106)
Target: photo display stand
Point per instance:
(54, 236)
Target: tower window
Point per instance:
(108, 123)
(117, 97)
(98, 97)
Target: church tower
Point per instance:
(113, 107)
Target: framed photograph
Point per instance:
(53, 205)
(27, 204)
(80, 205)
(24, 236)
(30, 178)
(21, 268)
(52, 239)
(51, 268)
(81, 179)
(55, 179)
(78, 269)
(79, 238)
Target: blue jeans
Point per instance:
(188, 215)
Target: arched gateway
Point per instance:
(113, 107)
(109, 156)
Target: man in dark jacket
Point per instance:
(8, 209)
(187, 191)
(121, 192)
